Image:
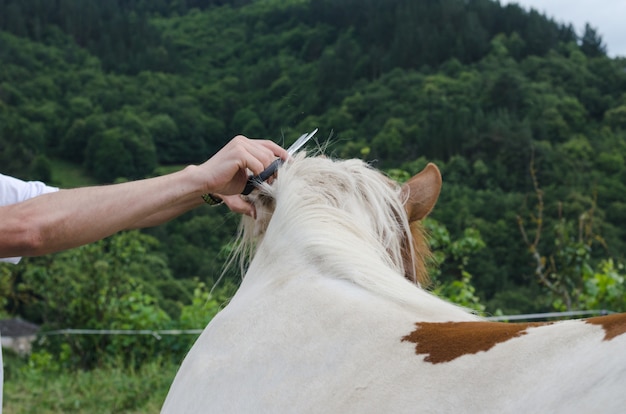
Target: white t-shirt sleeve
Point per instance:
(14, 191)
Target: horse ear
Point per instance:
(422, 192)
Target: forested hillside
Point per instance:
(526, 119)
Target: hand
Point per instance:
(227, 171)
(237, 204)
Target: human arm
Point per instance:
(70, 218)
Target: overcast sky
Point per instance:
(608, 17)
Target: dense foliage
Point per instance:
(526, 119)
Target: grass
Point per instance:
(66, 174)
(167, 169)
(69, 175)
(101, 391)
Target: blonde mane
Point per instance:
(342, 216)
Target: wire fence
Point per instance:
(549, 315)
(155, 333)
(158, 334)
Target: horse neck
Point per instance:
(304, 239)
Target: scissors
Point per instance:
(255, 180)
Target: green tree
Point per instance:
(97, 286)
(125, 149)
(391, 138)
(591, 42)
(449, 273)
(616, 117)
(565, 265)
(74, 143)
(164, 131)
(604, 287)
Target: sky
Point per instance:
(608, 17)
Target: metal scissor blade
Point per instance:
(255, 180)
(304, 138)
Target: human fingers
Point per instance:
(228, 169)
(238, 205)
(276, 149)
(262, 154)
(253, 155)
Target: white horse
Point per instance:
(327, 321)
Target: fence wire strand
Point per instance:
(159, 333)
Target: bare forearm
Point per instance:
(168, 214)
(70, 218)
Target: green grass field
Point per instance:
(101, 391)
(68, 175)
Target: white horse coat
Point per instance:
(326, 322)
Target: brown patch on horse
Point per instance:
(446, 341)
(421, 192)
(613, 325)
(416, 254)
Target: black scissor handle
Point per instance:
(255, 180)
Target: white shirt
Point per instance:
(14, 191)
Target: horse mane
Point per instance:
(348, 219)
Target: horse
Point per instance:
(332, 316)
